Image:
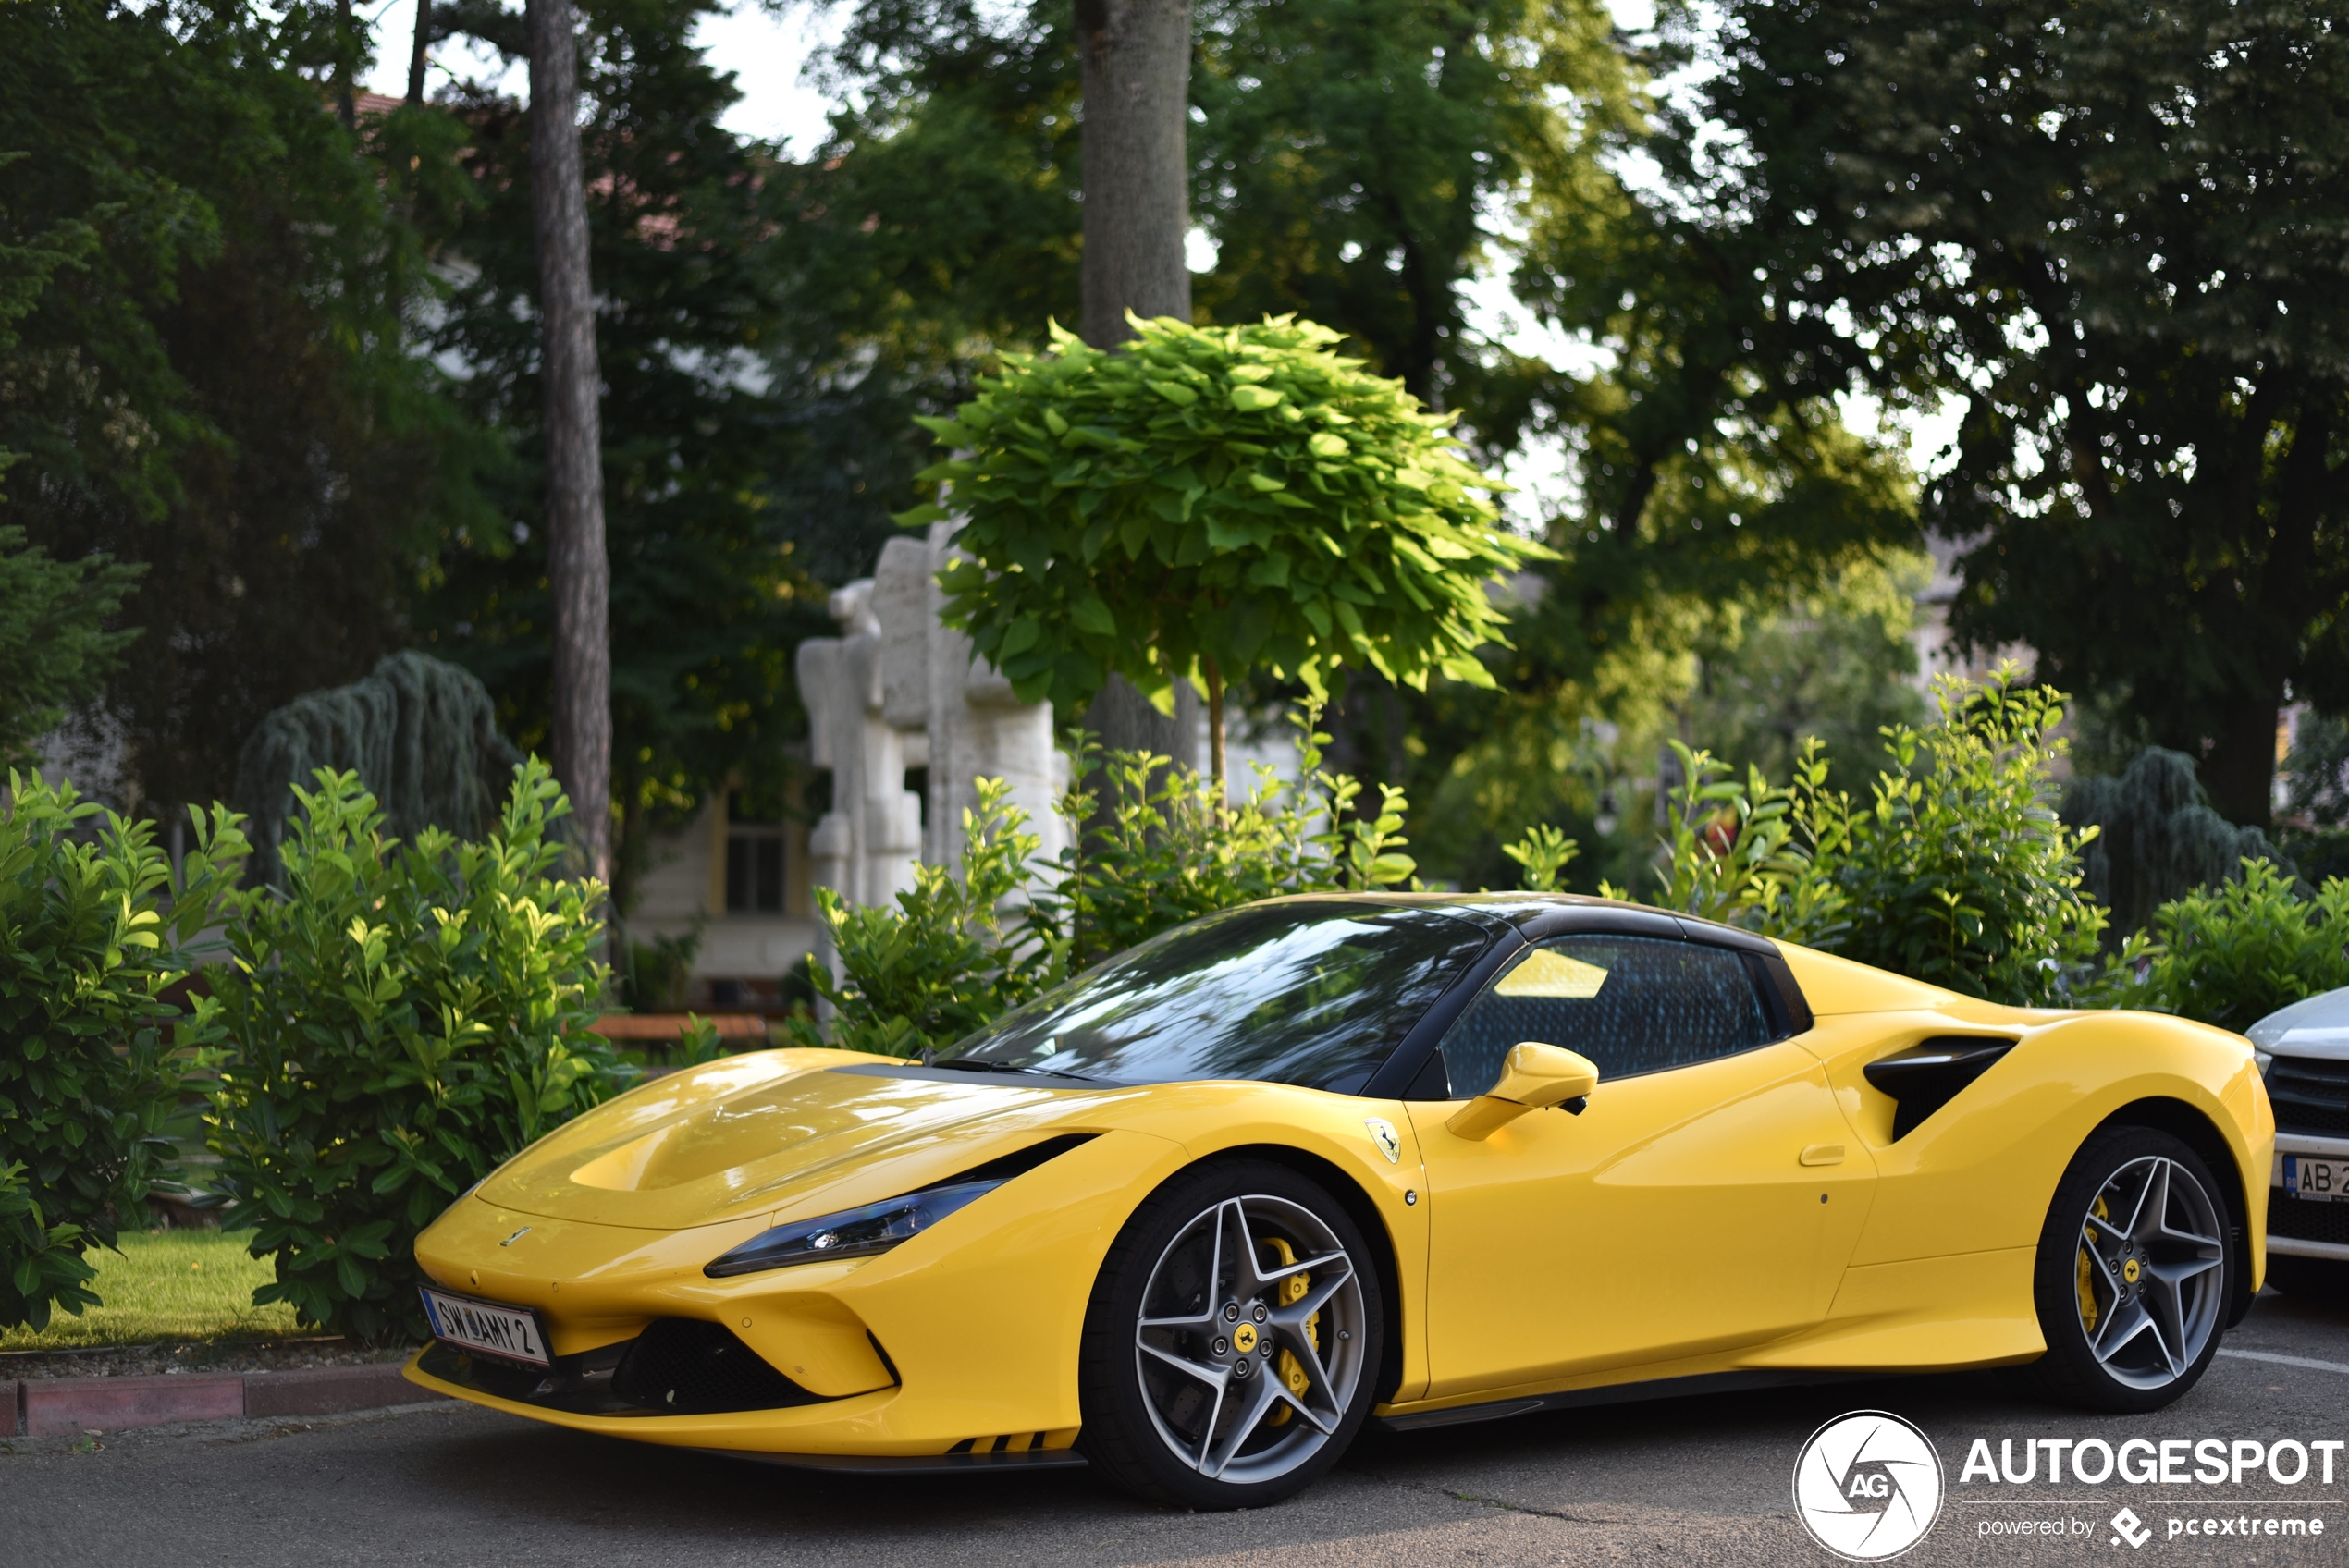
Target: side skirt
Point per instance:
(917, 1463)
(1614, 1394)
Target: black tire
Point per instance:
(1309, 1372)
(2089, 1275)
(2311, 1279)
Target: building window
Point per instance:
(754, 860)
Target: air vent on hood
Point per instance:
(1004, 1166)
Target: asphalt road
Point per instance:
(1683, 1481)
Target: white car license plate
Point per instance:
(2316, 1181)
(510, 1332)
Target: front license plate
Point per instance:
(510, 1332)
(2316, 1181)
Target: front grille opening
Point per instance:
(686, 1367)
(2309, 1096)
(2306, 1221)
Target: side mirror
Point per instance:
(1535, 1076)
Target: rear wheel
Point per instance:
(1232, 1340)
(2132, 1273)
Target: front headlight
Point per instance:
(855, 1233)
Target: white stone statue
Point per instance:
(896, 690)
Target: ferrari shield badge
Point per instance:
(1383, 1134)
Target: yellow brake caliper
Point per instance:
(2088, 1312)
(1292, 1290)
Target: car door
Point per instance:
(1706, 1197)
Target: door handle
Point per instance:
(1823, 1154)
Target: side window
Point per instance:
(1631, 1004)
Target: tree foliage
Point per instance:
(1206, 499)
(211, 376)
(2112, 229)
(2156, 839)
(55, 648)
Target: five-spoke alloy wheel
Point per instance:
(1233, 1340)
(2134, 1272)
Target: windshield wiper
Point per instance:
(965, 1064)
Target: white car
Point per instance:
(2304, 1052)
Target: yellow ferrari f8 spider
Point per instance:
(1197, 1214)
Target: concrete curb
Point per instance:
(63, 1407)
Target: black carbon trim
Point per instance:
(917, 1465)
(1931, 1073)
(1614, 1394)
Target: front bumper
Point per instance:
(2298, 1228)
(962, 1344)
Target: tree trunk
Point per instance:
(578, 573)
(1135, 57)
(1215, 768)
(1122, 719)
(1135, 60)
(416, 52)
(2240, 770)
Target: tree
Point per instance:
(55, 648)
(578, 568)
(215, 384)
(1354, 157)
(2111, 228)
(685, 222)
(1208, 500)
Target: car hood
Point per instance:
(793, 1132)
(2316, 1027)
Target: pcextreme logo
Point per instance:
(1867, 1486)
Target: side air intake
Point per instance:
(1931, 1074)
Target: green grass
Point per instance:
(167, 1285)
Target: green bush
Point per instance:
(92, 1055)
(2231, 955)
(1958, 870)
(404, 1019)
(1955, 871)
(1152, 846)
(939, 963)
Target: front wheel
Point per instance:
(2132, 1273)
(1233, 1340)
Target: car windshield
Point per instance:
(1281, 993)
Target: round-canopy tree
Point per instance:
(1205, 499)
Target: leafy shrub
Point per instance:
(1542, 854)
(404, 1019)
(92, 1055)
(1168, 849)
(939, 963)
(1754, 855)
(1956, 870)
(2233, 954)
(953, 954)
